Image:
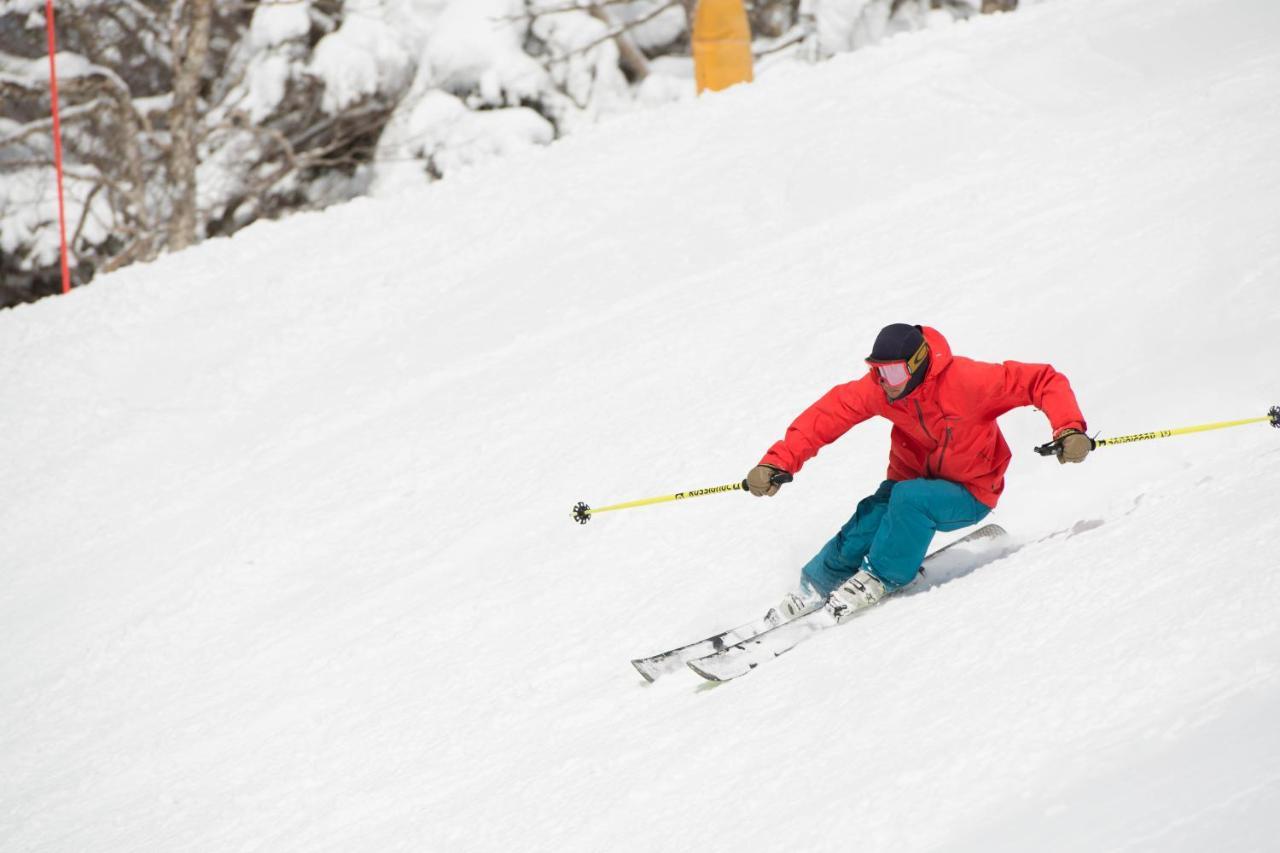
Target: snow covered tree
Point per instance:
(184, 119)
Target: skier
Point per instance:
(947, 458)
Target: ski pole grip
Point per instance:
(777, 479)
(1054, 448)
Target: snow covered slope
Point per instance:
(286, 560)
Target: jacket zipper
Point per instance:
(946, 440)
(928, 468)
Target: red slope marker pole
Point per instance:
(57, 143)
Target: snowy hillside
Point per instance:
(286, 560)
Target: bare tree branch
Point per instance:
(43, 126)
(630, 57)
(84, 214)
(614, 33)
(536, 11)
(795, 38)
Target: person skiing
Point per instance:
(947, 458)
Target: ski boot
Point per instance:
(857, 593)
(798, 603)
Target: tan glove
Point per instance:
(761, 482)
(1075, 446)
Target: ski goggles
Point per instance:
(893, 372)
(898, 372)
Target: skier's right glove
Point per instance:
(763, 481)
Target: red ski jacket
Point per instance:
(946, 428)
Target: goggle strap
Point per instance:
(915, 361)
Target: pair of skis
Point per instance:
(733, 653)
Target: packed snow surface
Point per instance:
(285, 539)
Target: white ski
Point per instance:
(733, 661)
(674, 660)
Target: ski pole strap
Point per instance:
(582, 513)
(1054, 448)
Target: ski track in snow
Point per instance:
(287, 558)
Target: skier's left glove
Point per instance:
(1075, 445)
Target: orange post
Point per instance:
(721, 45)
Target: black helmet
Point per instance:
(901, 352)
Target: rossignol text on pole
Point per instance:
(1054, 448)
(582, 513)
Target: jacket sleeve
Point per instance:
(1013, 384)
(819, 425)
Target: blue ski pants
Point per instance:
(890, 531)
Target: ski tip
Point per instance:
(693, 665)
(726, 673)
(641, 666)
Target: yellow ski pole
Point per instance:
(582, 513)
(1054, 448)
